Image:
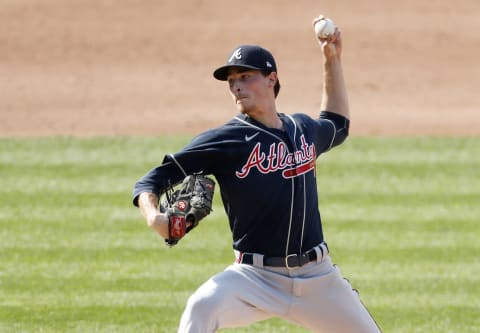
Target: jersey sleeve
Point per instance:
(199, 156)
(158, 180)
(206, 153)
(333, 130)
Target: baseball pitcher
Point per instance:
(264, 163)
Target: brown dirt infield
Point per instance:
(126, 67)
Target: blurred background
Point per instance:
(131, 67)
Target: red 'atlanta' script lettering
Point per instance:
(278, 158)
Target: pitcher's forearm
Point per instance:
(148, 204)
(334, 97)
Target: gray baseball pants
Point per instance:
(314, 296)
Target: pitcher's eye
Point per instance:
(245, 76)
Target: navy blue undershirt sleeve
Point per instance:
(341, 125)
(158, 180)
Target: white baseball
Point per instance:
(324, 28)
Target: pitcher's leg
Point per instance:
(328, 304)
(225, 300)
(346, 311)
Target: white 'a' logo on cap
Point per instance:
(237, 55)
(269, 64)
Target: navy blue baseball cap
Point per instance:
(247, 56)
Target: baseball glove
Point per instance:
(188, 205)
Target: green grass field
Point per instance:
(401, 216)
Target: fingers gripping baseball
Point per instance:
(328, 36)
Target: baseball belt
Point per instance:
(291, 261)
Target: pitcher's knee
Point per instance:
(201, 307)
(202, 311)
